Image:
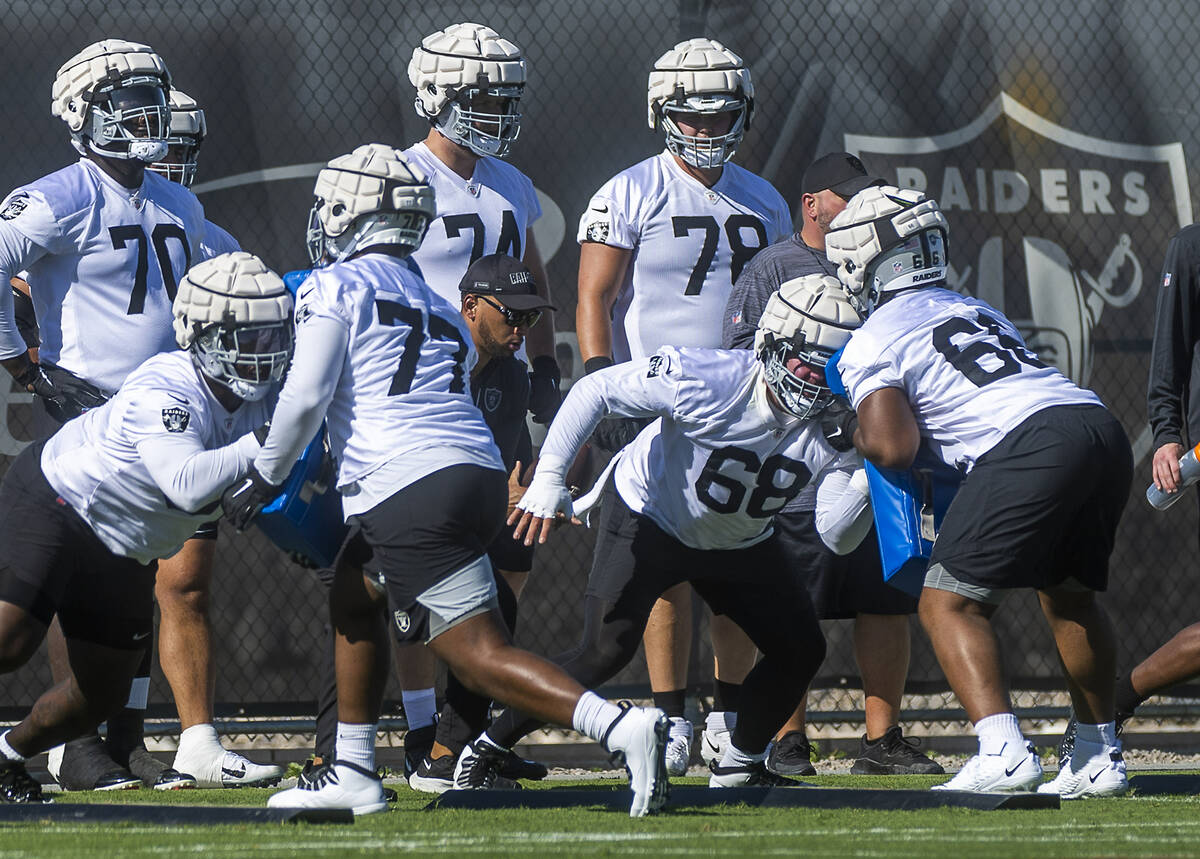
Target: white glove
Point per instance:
(547, 496)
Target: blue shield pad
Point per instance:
(306, 517)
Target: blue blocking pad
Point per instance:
(909, 507)
(306, 517)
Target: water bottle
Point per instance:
(1189, 473)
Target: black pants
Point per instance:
(636, 561)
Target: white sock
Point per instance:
(735, 757)
(200, 740)
(420, 706)
(721, 721)
(1104, 734)
(594, 716)
(356, 743)
(8, 751)
(997, 731)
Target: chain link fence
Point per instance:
(1060, 138)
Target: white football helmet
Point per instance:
(453, 67)
(370, 197)
(235, 315)
(700, 76)
(113, 97)
(808, 318)
(188, 130)
(886, 240)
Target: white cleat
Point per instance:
(714, 742)
(1102, 774)
(1015, 768)
(641, 734)
(228, 769)
(679, 746)
(343, 785)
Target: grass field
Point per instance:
(1128, 826)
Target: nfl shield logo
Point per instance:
(175, 419)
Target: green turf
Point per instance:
(1128, 826)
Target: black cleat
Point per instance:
(791, 755)
(893, 754)
(157, 775)
(87, 765)
(752, 775)
(418, 743)
(515, 767)
(17, 785)
(478, 768)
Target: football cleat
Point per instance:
(1015, 768)
(516, 767)
(434, 775)
(679, 746)
(1101, 774)
(893, 754)
(478, 768)
(1066, 746)
(229, 769)
(17, 785)
(791, 754)
(418, 742)
(157, 775)
(750, 775)
(641, 734)
(341, 785)
(718, 729)
(85, 764)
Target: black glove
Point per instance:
(242, 501)
(26, 319)
(77, 395)
(58, 403)
(839, 420)
(303, 561)
(612, 434)
(544, 395)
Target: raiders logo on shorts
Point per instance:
(403, 622)
(175, 419)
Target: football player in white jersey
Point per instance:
(184, 581)
(85, 513)
(692, 499)
(469, 82)
(661, 244)
(104, 245)
(1047, 475)
(384, 361)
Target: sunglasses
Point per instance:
(514, 318)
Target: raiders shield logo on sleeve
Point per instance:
(492, 398)
(14, 207)
(175, 419)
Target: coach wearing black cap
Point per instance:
(500, 303)
(849, 586)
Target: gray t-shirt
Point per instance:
(774, 265)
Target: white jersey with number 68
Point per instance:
(963, 366)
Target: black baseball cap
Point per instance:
(506, 279)
(839, 172)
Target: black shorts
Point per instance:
(841, 586)
(636, 561)
(429, 529)
(1041, 506)
(52, 562)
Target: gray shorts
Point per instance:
(939, 578)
